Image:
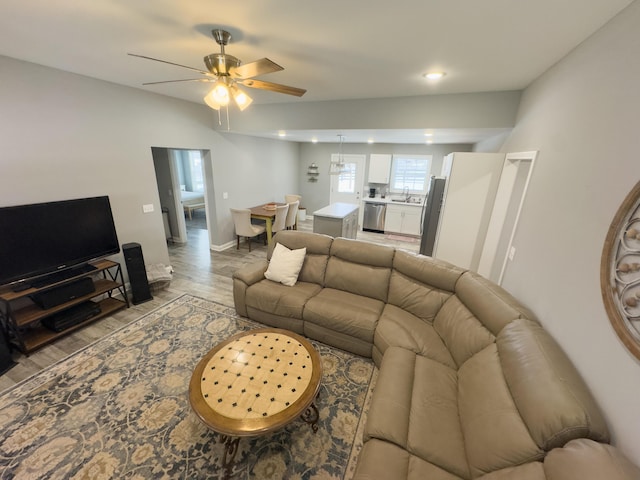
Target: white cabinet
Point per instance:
(404, 219)
(393, 219)
(379, 168)
(337, 220)
(411, 221)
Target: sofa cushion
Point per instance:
(400, 328)
(528, 471)
(383, 460)
(285, 265)
(344, 312)
(495, 435)
(490, 303)
(463, 334)
(359, 267)
(419, 299)
(278, 299)
(549, 393)
(584, 459)
(415, 406)
(429, 271)
(318, 247)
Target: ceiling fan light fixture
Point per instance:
(242, 99)
(211, 102)
(220, 93)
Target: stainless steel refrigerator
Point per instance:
(430, 214)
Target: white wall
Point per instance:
(583, 116)
(68, 136)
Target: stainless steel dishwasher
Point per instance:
(373, 220)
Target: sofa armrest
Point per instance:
(584, 459)
(252, 273)
(243, 278)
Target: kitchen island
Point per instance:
(337, 220)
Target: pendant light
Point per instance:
(336, 168)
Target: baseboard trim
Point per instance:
(220, 248)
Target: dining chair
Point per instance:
(281, 218)
(244, 227)
(291, 223)
(290, 197)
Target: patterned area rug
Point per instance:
(120, 409)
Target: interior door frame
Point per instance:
(503, 203)
(175, 181)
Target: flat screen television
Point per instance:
(40, 239)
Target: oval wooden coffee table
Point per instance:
(254, 383)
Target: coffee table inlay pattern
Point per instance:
(254, 383)
(256, 376)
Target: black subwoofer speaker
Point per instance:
(140, 291)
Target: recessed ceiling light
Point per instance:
(434, 75)
(428, 134)
(314, 140)
(370, 140)
(282, 133)
(429, 142)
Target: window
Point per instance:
(347, 179)
(195, 166)
(410, 172)
(189, 166)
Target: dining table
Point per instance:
(266, 212)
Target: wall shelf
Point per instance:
(312, 172)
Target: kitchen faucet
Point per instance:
(405, 192)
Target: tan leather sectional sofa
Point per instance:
(470, 385)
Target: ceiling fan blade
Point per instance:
(253, 69)
(170, 63)
(185, 80)
(274, 87)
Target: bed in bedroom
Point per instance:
(191, 201)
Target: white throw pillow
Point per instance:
(285, 265)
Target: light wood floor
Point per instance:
(197, 271)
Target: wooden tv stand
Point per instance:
(22, 318)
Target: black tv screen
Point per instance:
(42, 238)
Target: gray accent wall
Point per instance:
(583, 117)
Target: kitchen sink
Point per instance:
(402, 200)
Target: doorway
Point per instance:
(512, 189)
(183, 190)
(347, 186)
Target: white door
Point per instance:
(346, 187)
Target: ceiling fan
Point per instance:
(226, 72)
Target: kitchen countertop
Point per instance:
(390, 202)
(336, 210)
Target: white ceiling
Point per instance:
(335, 49)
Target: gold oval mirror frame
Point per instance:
(620, 272)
